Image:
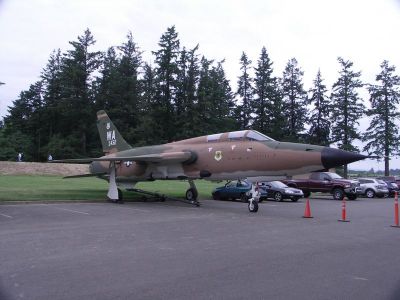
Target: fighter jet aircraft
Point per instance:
(223, 156)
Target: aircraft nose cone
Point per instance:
(335, 157)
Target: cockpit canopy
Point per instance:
(243, 135)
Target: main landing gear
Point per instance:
(192, 194)
(115, 194)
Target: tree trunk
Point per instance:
(386, 164)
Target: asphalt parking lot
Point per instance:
(217, 251)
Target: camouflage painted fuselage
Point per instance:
(218, 159)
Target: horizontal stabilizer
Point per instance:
(85, 175)
(155, 158)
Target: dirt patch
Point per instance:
(31, 168)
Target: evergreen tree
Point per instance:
(166, 84)
(129, 88)
(277, 121)
(294, 100)
(147, 129)
(215, 100)
(266, 96)
(108, 93)
(25, 121)
(186, 97)
(383, 133)
(52, 86)
(78, 66)
(320, 125)
(222, 104)
(245, 92)
(204, 98)
(347, 108)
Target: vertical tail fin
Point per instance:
(111, 140)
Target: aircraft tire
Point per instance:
(253, 206)
(191, 195)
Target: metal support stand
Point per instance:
(112, 184)
(163, 197)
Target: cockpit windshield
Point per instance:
(237, 135)
(244, 135)
(257, 136)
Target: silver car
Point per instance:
(371, 187)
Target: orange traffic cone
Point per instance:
(396, 211)
(307, 211)
(343, 211)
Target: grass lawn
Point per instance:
(48, 188)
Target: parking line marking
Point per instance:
(71, 210)
(139, 209)
(7, 216)
(360, 278)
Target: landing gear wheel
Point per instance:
(191, 195)
(253, 206)
(338, 194)
(278, 197)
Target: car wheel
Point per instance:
(216, 196)
(306, 194)
(338, 194)
(243, 197)
(295, 199)
(370, 193)
(278, 197)
(253, 206)
(260, 200)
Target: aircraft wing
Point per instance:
(170, 157)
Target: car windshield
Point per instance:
(278, 184)
(335, 176)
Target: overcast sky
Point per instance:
(315, 32)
